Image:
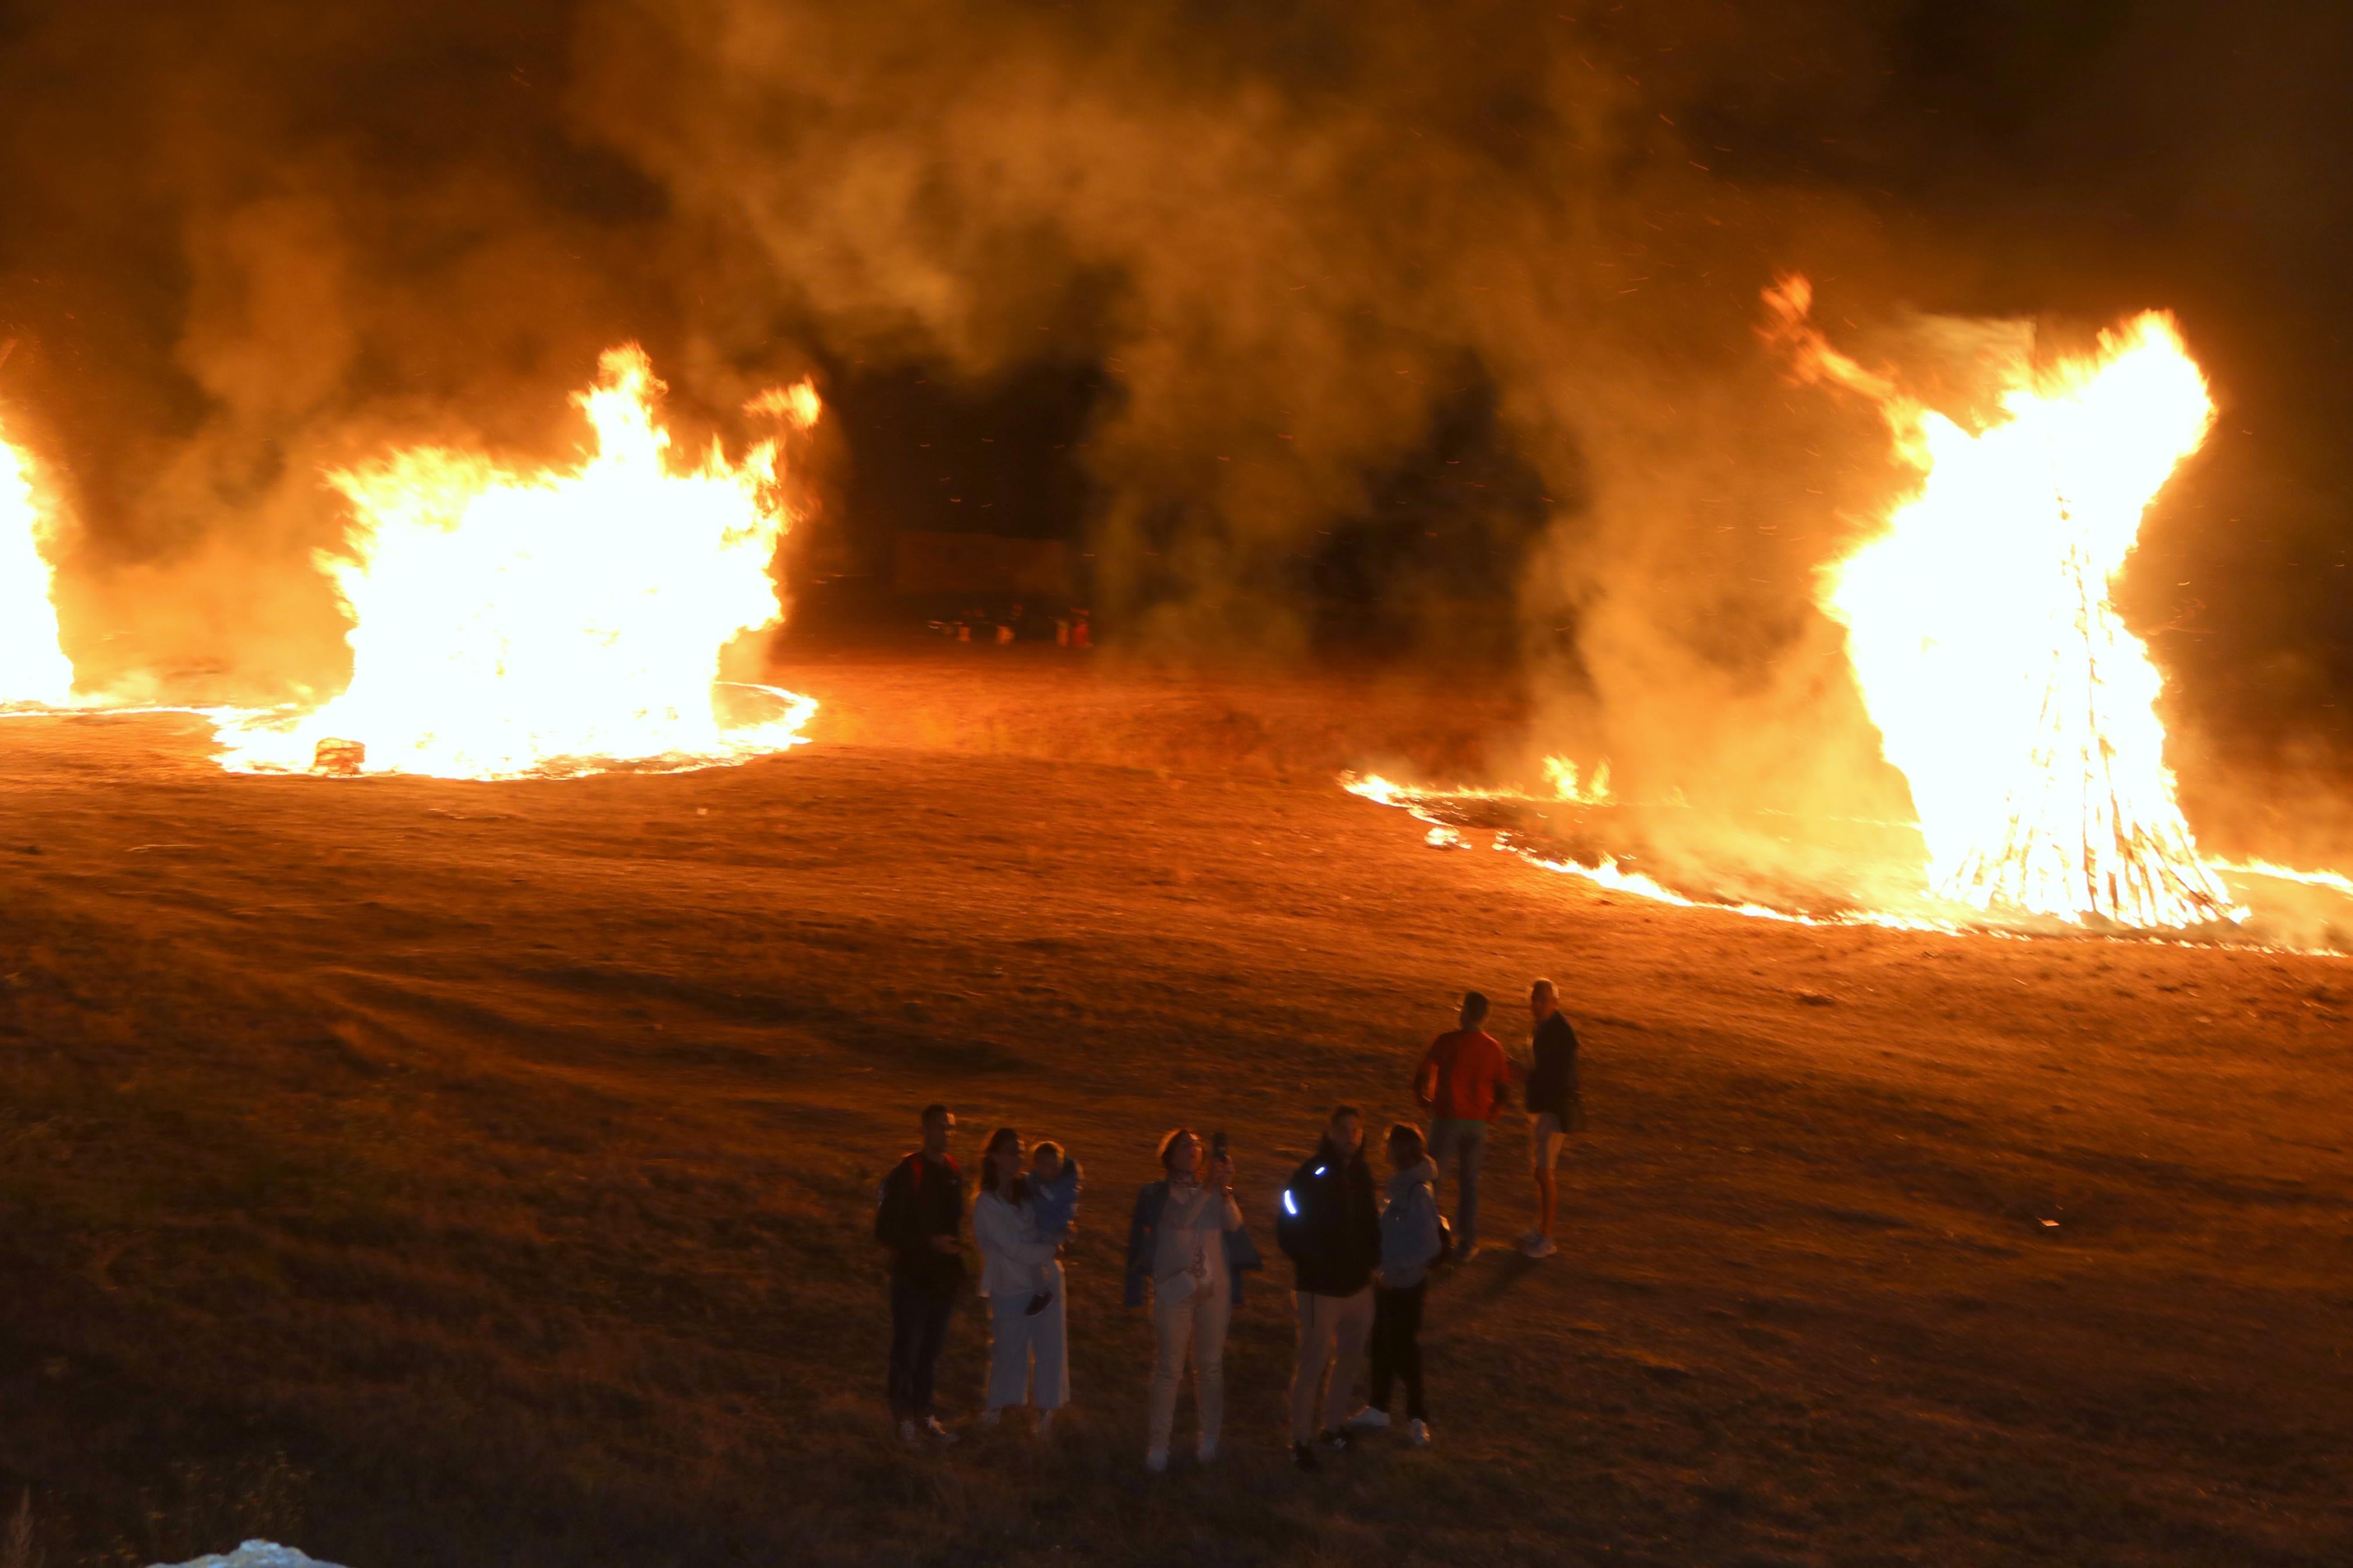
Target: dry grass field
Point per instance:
(464, 1175)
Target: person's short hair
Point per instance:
(1409, 1136)
(1169, 1143)
(1474, 1009)
(1044, 1146)
(934, 1112)
(1547, 987)
(1340, 1110)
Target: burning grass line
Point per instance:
(1425, 803)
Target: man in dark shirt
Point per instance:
(1329, 1225)
(921, 1212)
(1555, 1110)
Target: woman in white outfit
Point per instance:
(1187, 1242)
(1028, 1356)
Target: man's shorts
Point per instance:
(1546, 1136)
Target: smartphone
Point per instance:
(1218, 1144)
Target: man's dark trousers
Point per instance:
(919, 1327)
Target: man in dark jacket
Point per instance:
(1330, 1227)
(921, 1212)
(1555, 1109)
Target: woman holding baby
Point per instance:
(1019, 1222)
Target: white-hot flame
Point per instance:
(512, 623)
(32, 668)
(2018, 706)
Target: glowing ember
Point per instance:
(2017, 706)
(32, 670)
(507, 624)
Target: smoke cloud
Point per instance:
(1454, 305)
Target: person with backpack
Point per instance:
(1462, 1082)
(1329, 1226)
(919, 1218)
(1187, 1242)
(1413, 1238)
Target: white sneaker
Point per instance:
(1530, 1239)
(1370, 1420)
(1419, 1435)
(1206, 1450)
(932, 1429)
(1542, 1246)
(1156, 1462)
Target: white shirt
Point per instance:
(1012, 1254)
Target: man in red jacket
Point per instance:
(1459, 1083)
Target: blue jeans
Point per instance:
(1464, 1143)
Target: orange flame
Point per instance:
(2005, 689)
(32, 668)
(509, 624)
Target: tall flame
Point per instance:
(508, 623)
(32, 670)
(2015, 701)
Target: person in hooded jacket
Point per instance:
(1329, 1226)
(1411, 1243)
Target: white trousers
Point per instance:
(1028, 1358)
(1192, 1329)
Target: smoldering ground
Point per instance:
(1432, 321)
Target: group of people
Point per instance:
(1362, 1253)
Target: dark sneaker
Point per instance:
(1339, 1440)
(1303, 1456)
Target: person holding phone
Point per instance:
(1188, 1243)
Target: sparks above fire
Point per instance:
(508, 623)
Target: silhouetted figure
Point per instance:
(919, 1219)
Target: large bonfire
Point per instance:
(1990, 654)
(2020, 708)
(508, 623)
(32, 670)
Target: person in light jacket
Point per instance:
(1028, 1354)
(1189, 1242)
(1411, 1242)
